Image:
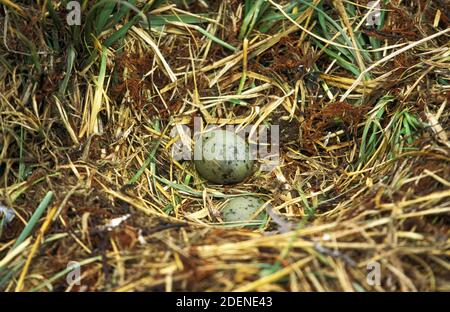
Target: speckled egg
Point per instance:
(222, 157)
(241, 209)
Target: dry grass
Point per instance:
(363, 174)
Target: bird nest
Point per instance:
(94, 198)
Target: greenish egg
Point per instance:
(222, 157)
(240, 210)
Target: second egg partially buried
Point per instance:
(241, 211)
(222, 157)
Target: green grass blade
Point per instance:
(71, 56)
(34, 219)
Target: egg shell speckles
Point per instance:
(222, 157)
(241, 209)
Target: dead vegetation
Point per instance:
(85, 119)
